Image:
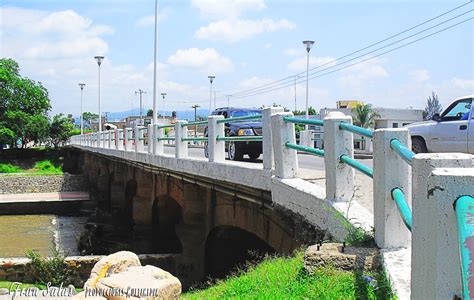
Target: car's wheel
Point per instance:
(418, 145)
(234, 152)
(206, 150)
(254, 155)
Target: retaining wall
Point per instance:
(26, 183)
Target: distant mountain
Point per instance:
(181, 114)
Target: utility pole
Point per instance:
(141, 92)
(195, 118)
(81, 85)
(215, 105)
(228, 100)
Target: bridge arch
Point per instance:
(167, 214)
(126, 208)
(229, 247)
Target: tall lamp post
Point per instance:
(155, 63)
(163, 95)
(308, 44)
(195, 118)
(99, 60)
(211, 80)
(81, 85)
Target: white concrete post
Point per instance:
(117, 139)
(128, 139)
(159, 133)
(97, 137)
(267, 144)
(434, 256)
(139, 139)
(109, 139)
(286, 159)
(306, 138)
(181, 147)
(216, 148)
(339, 176)
(151, 138)
(390, 171)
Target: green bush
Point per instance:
(48, 167)
(9, 168)
(54, 269)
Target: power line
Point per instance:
(356, 63)
(288, 78)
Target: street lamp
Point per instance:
(163, 95)
(155, 63)
(99, 60)
(81, 85)
(308, 44)
(211, 80)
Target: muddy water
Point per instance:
(39, 232)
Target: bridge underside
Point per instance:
(212, 224)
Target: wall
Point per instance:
(21, 184)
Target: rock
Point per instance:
(148, 282)
(111, 264)
(352, 258)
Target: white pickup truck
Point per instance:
(450, 131)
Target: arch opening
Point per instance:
(228, 248)
(166, 215)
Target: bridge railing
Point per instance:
(413, 195)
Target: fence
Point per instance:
(424, 201)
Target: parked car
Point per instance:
(237, 150)
(450, 131)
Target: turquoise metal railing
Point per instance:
(356, 129)
(310, 150)
(246, 138)
(243, 118)
(402, 150)
(403, 208)
(165, 139)
(197, 123)
(194, 139)
(464, 207)
(165, 126)
(303, 121)
(357, 165)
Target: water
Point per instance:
(41, 233)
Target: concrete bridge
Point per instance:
(192, 202)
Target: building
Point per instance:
(348, 103)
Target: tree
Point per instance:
(60, 130)
(21, 99)
(311, 112)
(7, 137)
(432, 107)
(364, 115)
(88, 116)
(149, 113)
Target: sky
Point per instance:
(245, 43)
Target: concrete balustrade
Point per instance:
(337, 142)
(435, 271)
(216, 148)
(431, 184)
(390, 172)
(181, 147)
(267, 143)
(286, 159)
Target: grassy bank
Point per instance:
(278, 278)
(44, 167)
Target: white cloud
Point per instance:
(149, 21)
(207, 59)
(358, 74)
(314, 61)
(233, 30)
(420, 75)
(465, 84)
(293, 52)
(224, 9)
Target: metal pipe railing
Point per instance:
(403, 208)
(356, 129)
(402, 150)
(243, 118)
(303, 121)
(197, 123)
(195, 139)
(165, 139)
(165, 126)
(357, 165)
(257, 138)
(310, 150)
(464, 207)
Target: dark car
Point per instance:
(237, 150)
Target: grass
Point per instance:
(285, 278)
(44, 167)
(9, 168)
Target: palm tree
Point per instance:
(364, 115)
